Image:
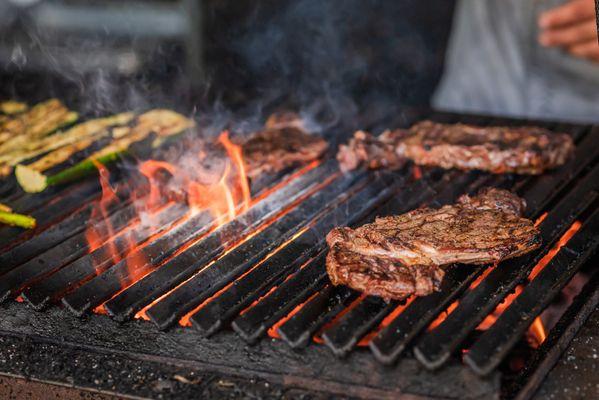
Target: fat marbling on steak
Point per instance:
(283, 143)
(523, 150)
(401, 255)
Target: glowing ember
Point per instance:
(536, 332)
(441, 317)
(481, 277)
(416, 172)
(272, 331)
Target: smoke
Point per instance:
(330, 60)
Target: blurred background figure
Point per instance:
(526, 58)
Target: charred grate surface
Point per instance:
(49, 345)
(263, 272)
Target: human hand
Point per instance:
(571, 26)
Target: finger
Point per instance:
(567, 14)
(589, 50)
(569, 35)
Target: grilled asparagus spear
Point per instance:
(13, 219)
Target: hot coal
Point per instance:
(400, 255)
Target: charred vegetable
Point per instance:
(163, 123)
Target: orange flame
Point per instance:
(150, 169)
(235, 154)
(100, 226)
(537, 334)
(224, 200)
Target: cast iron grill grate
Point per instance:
(263, 272)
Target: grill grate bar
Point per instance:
(81, 270)
(256, 320)
(492, 347)
(53, 236)
(392, 340)
(249, 287)
(330, 301)
(56, 257)
(343, 336)
(437, 346)
(50, 211)
(168, 276)
(104, 286)
(216, 276)
(305, 323)
(245, 255)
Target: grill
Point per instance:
(262, 274)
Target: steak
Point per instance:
(523, 150)
(381, 276)
(401, 255)
(284, 143)
(374, 152)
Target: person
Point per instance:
(536, 59)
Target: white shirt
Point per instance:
(494, 65)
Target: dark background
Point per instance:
(345, 56)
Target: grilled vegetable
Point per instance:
(163, 123)
(11, 107)
(33, 181)
(23, 221)
(63, 145)
(5, 208)
(39, 121)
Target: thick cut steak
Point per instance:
(401, 255)
(523, 150)
(374, 152)
(280, 146)
(380, 276)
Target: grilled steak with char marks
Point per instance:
(402, 255)
(284, 143)
(522, 150)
